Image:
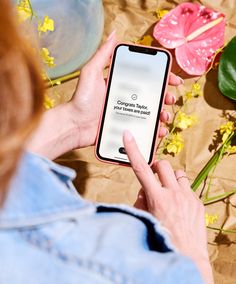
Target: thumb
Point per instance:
(102, 57)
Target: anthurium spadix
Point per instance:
(195, 32)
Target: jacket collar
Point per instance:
(41, 191)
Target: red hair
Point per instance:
(21, 93)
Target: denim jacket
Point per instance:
(49, 234)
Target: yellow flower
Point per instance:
(161, 13)
(146, 40)
(196, 87)
(231, 149)
(47, 59)
(24, 10)
(48, 102)
(210, 219)
(184, 121)
(189, 95)
(226, 130)
(196, 90)
(175, 143)
(46, 25)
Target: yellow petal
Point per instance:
(47, 59)
(231, 149)
(228, 127)
(210, 219)
(171, 148)
(23, 15)
(146, 40)
(189, 95)
(161, 13)
(48, 102)
(184, 121)
(225, 136)
(175, 144)
(24, 10)
(46, 25)
(196, 90)
(196, 87)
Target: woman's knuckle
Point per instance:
(163, 164)
(139, 167)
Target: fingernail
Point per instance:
(173, 99)
(128, 136)
(180, 80)
(168, 116)
(167, 132)
(111, 35)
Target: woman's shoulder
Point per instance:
(111, 245)
(49, 233)
(40, 191)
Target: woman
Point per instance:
(48, 233)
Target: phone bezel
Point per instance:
(141, 49)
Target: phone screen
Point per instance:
(134, 97)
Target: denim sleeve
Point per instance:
(96, 248)
(50, 235)
(143, 252)
(112, 246)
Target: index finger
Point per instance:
(140, 167)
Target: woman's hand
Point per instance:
(168, 196)
(90, 93)
(74, 125)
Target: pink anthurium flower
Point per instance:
(195, 32)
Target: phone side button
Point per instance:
(122, 150)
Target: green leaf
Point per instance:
(219, 197)
(212, 162)
(227, 70)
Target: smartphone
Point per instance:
(135, 91)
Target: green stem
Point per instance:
(222, 150)
(222, 230)
(218, 197)
(63, 79)
(205, 171)
(211, 163)
(212, 61)
(210, 181)
(31, 9)
(163, 147)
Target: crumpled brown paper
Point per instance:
(108, 183)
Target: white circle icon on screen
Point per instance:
(134, 97)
